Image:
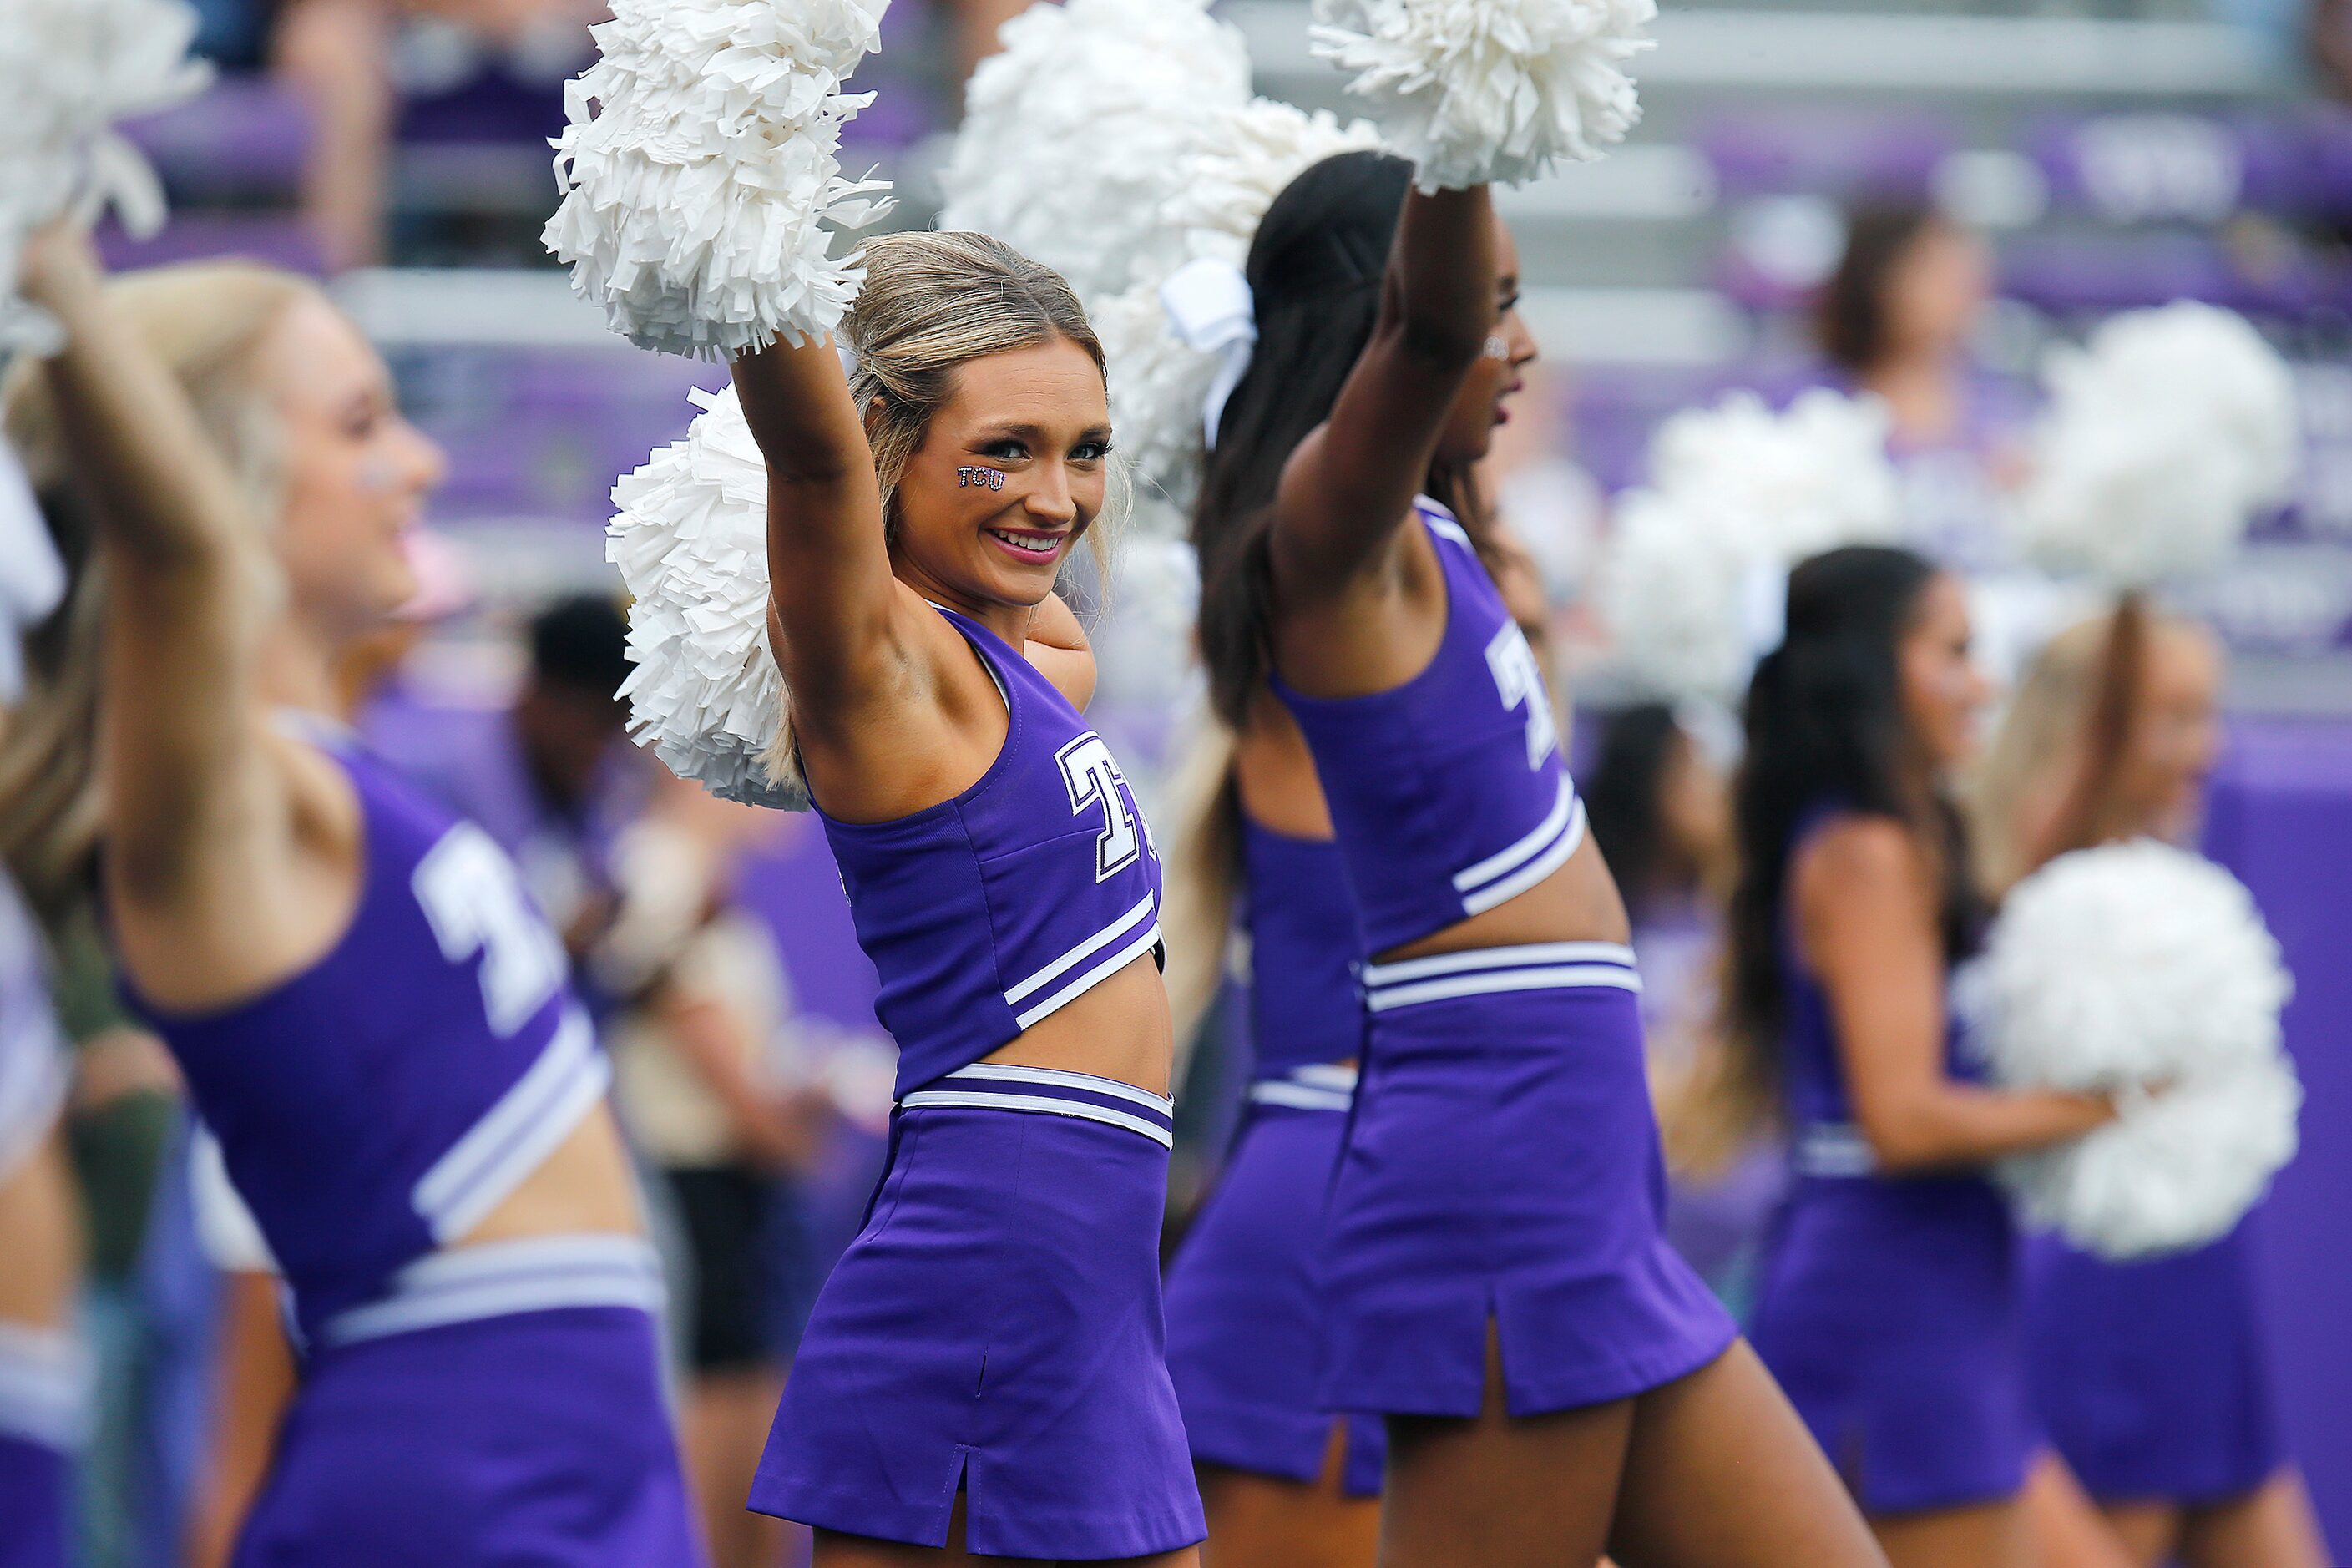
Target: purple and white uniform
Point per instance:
(1503, 1166)
(996, 1330)
(44, 1372)
(1887, 1306)
(460, 1405)
(1246, 1320)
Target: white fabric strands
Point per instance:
(700, 177)
(1477, 91)
(70, 70)
(2167, 434)
(690, 538)
(2143, 971)
(1696, 572)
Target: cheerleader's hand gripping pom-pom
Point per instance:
(70, 70)
(1476, 92)
(702, 189)
(692, 541)
(2166, 435)
(2142, 971)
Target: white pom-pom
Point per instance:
(1738, 494)
(2166, 435)
(1080, 127)
(69, 71)
(701, 186)
(1490, 90)
(2144, 971)
(690, 539)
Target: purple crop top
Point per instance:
(1305, 1007)
(1447, 793)
(985, 913)
(379, 1105)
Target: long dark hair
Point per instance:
(1825, 727)
(1621, 796)
(1851, 315)
(1315, 270)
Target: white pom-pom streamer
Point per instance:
(2143, 971)
(2166, 435)
(1159, 382)
(701, 187)
(70, 70)
(1490, 90)
(1696, 564)
(690, 539)
(1078, 129)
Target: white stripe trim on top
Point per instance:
(1055, 1078)
(1528, 956)
(517, 1134)
(1299, 1096)
(47, 1384)
(498, 1279)
(1103, 971)
(1079, 1108)
(1080, 953)
(1504, 861)
(1527, 876)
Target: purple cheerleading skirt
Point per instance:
(1503, 1167)
(34, 1482)
(528, 1439)
(1246, 1317)
(2152, 1377)
(996, 1330)
(1888, 1310)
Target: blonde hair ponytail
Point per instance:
(206, 323)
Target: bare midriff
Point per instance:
(1120, 1029)
(585, 1186)
(1579, 903)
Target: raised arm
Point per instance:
(1348, 487)
(1865, 908)
(833, 598)
(194, 800)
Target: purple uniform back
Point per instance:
(378, 1105)
(1305, 1004)
(986, 913)
(1448, 794)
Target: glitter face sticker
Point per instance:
(972, 477)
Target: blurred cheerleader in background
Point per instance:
(2151, 1377)
(1898, 319)
(1887, 1305)
(369, 1013)
(1660, 807)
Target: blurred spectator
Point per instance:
(355, 62)
(1897, 318)
(716, 1098)
(2331, 44)
(552, 776)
